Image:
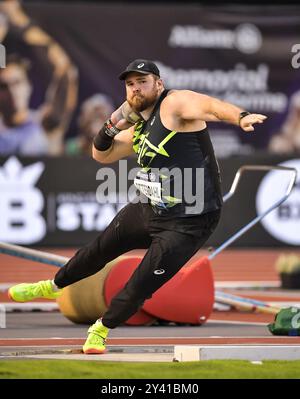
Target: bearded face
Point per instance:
(142, 91)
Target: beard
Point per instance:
(139, 102)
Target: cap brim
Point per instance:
(125, 73)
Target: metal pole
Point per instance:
(253, 222)
(32, 254)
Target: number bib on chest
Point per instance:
(151, 189)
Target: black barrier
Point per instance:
(55, 201)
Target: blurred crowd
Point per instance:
(42, 131)
(63, 123)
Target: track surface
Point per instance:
(230, 265)
(27, 330)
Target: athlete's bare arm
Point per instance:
(191, 108)
(123, 118)
(121, 148)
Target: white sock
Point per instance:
(54, 286)
(99, 321)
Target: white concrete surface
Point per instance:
(186, 353)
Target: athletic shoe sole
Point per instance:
(94, 351)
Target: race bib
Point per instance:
(150, 189)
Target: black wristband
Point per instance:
(102, 141)
(111, 129)
(242, 115)
(105, 137)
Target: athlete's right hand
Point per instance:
(124, 117)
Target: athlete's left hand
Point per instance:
(248, 121)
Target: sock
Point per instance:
(99, 322)
(54, 286)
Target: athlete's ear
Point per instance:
(160, 83)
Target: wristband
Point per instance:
(242, 115)
(104, 138)
(110, 129)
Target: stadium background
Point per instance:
(242, 54)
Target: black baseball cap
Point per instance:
(142, 66)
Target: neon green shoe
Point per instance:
(95, 343)
(27, 291)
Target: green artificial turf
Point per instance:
(224, 369)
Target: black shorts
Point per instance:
(171, 242)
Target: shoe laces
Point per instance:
(42, 288)
(96, 334)
(96, 339)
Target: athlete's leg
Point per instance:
(168, 252)
(126, 232)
